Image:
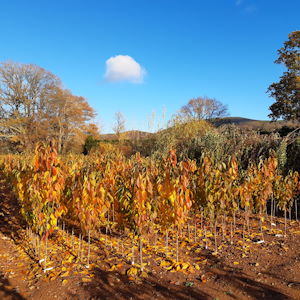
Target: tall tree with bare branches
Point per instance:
(203, 108)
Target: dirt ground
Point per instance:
(247, 269)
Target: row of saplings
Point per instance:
(144, 195)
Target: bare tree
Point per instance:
(119, 125)
(24, 94)
(203, 108)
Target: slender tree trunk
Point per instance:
(177, 245)
(205, 236)
(285, 222)
(296, 210)
(72, 240)
(272, 200)
(46, 253)
(167, 242)
(195, 231)
(231, 234)
(141, 253)
(89, 248)
(79, 247)
(132, 259)
(216, 246)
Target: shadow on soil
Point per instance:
(10, 217)
(238, 280)
(113, 285)
(7, 291)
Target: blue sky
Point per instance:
(223, 49)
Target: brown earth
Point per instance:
(244, 269)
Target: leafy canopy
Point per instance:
(287, 91)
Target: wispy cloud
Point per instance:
(124, 68)
(247, 6)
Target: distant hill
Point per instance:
(257, 125)
(233, 120)
(130, 135)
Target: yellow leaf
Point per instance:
(65, 274)
(164, 263)
(236, 263)
(172, 197)
(65, 282)
(112, 268)
(184, 266)
(132, 271)
(70, 259)
(144, 274)
(86, 279)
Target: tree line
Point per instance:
(34, 107)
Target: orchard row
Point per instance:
(142, 194)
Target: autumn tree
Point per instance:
(203, 108)
(67, 117)
(180, 135)
(34, 107)
(287, 91)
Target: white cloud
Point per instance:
(124, 68)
